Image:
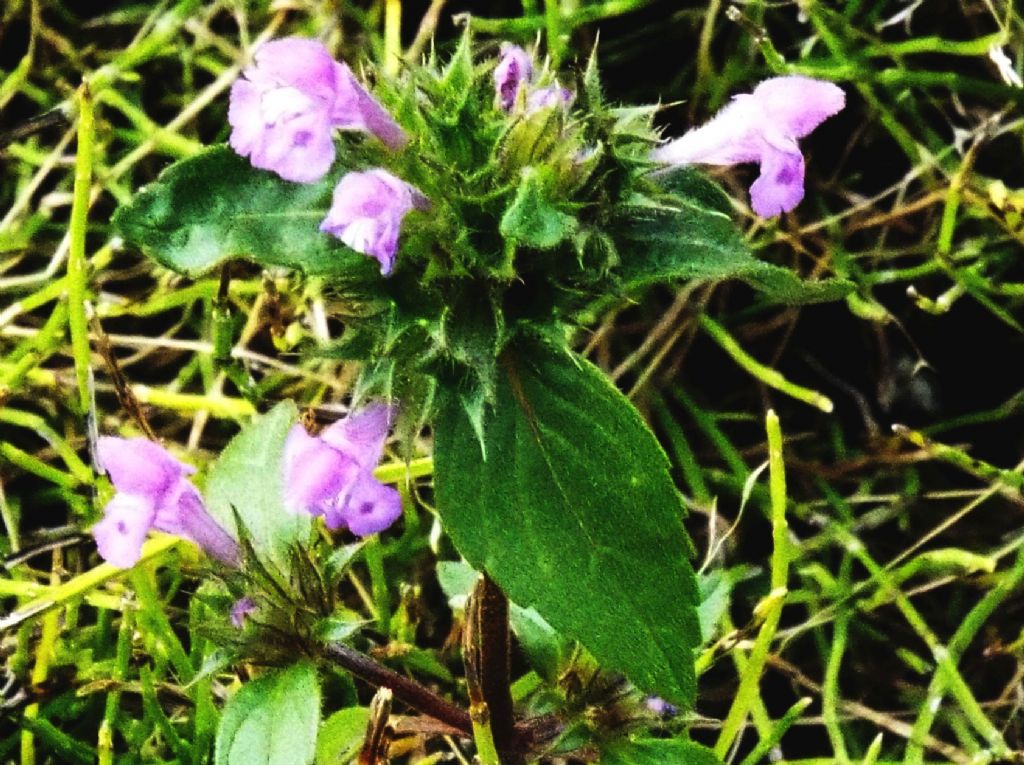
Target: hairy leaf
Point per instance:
(247, 482)
(688, 234)
(573, 513)
(215, 206)
(272, 720)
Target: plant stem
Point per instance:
(968, 628)
(41, 669)
(784, 723)
(407, 691)
(771, 606)
(77, 266)
(487, 653)
(770, 377)
(958, 688)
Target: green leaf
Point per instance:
(573, 513)
(341, 736)
(272, 720)
(688, 234)
(215, 206)
(532, 220)
(658, 751)
(248, 479)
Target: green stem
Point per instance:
(770, 377)
(961, 639)
(105, 740)
(771, 606)
(765, 745)
(45, 652)
(77, 266)
(947, 668)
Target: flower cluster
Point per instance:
(283, 113)
(153, 492)
(284, 110)
(330, 476)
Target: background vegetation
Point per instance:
(908, 541)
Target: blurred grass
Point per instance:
(904, 607)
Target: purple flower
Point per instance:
(242, 609)
(153, 492)
(331, 475)
(283, 111)
(367, 210)
(762, 127)
(545, 98)
(514, 70)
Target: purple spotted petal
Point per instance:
(762, 127)
(140, 466)
(361, 435)
(315, 472)
(780, 186)
(513, 71)
(367, 211)
(127, 519)
(370, 507)
(796, 105)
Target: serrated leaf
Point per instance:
(689, 235)
(574, 513)
(215, 206)
(248, 479)
(272, 720)
(531, 219)
(658, 751)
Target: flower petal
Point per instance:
(296, 142)
(127, 519)
(370, 508)
(731, 137)
(366, 213)
(315, 473)
(794, 106)
(185, 515)
(140, 466)
(355, 109)
(514, 70)
(361, 435)
(300, 62)
(780, 186)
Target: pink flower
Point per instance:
(367, 211)
(285, 108)
(762, 127)
(153, 491)
(331, 475)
